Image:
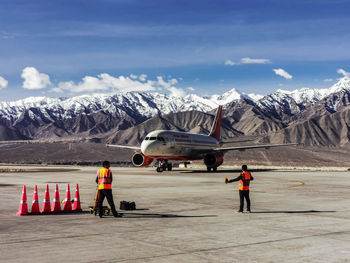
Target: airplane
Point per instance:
(165, 145)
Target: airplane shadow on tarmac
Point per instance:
(154, 215)
(291, 212)
(226, 171)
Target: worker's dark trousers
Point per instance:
(108, 194)
(242, 195)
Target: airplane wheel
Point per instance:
(208, 169)
(170, 167)
(159, 169)
(215, 169)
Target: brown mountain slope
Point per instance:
(327, 130)
(245, 117)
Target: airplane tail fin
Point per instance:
(216, 127)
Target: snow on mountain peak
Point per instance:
(227, 97)
(151, 104)
(343, 83)
(313, 95)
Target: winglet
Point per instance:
(216, 127)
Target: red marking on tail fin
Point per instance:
(216, 127)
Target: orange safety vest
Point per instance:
(104, 179)
(243, 184)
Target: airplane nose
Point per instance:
(144, 147)
(148, 147)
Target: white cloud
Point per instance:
(255, 61)
(176, 92)
(191, 88)
(3, 83)
(282, 73)
(343, 72)
(166, 84)
(169, 85)
(328, 80)
(34, 80)
(229, 62)
(107, 83)
(143, 77)
(104, 82)
(247, 60)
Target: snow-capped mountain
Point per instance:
(87, 115)
(146, 104)
(307, 95)
(292, 104)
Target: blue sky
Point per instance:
(66, 48)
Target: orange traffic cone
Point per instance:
(77, 206)
(23, 207)
(67, 202)
(35, 204)
(56, 203)
(46, 202)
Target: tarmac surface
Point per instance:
(182, 216)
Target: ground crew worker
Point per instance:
(104, 180)
(243, 185)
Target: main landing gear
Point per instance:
(164, 165)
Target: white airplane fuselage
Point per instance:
(174, 145)
(164, 145)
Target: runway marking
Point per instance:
(300, 183)
(220, 248)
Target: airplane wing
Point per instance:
(237, 148)
(242, 148)
(236, 141)
(124, 146)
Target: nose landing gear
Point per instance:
(164, 165)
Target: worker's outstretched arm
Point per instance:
(236, 179)
(227, 181)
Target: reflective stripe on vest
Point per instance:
(243, 184)
(104, 179)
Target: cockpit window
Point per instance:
(146, 138)
(160, 139)
(152, 138)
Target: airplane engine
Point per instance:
(213, 160)
(141, 160)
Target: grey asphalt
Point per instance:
(181, 216)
